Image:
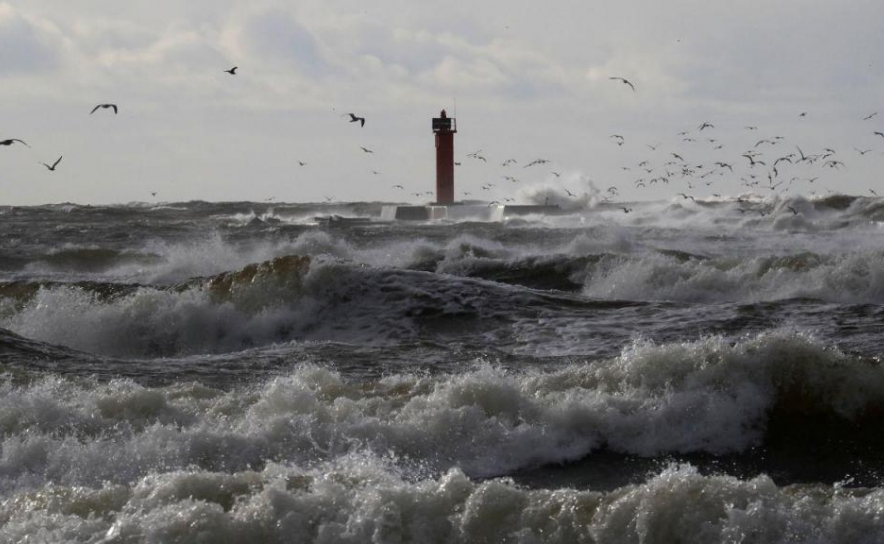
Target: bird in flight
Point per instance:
(11, 140)
(881, 134)
(706, 125)
(52, 168)
(625, 209)
(367, 150)
(536, 161)
(867, 117)
(354, 118)
(114, 106)
(625, 81)
(302, 163)
(232, 71)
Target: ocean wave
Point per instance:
(781, 391)
(524, 304)
(286, 299)
(853, 277)
(365, 499)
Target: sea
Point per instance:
(690, 371)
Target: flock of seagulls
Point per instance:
(115, 108)
(757, 168)
(770, 164)
(52, 167)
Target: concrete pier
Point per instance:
(464, 212)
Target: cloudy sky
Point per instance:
(526, 79)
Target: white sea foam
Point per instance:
(365, 499)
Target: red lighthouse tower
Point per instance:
(444, 128)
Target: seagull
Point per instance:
(52, 168)
(867, 117)
(752, 161)
(706, 125)
(536, 161)
(232, 71)
(881, 134)
(302, 163)
(10, 141)
(353, 119)
(793, 210)
(861, 152)
(366, 149)
(625, 81)
(114, 106)
(625, 209)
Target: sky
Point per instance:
(525, 80)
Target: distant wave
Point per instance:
(299, 298)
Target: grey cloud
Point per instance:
(276, 36)
(25, 49)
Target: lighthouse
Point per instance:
(444, 128)
(445, 208)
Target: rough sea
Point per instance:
(692, 372)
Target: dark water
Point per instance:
(246, 372)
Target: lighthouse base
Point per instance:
(464, 212)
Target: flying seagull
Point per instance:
(10, 141)
(867, 117)
(114, 106)
(353, 119)
(232, 71)
(52, 168)
(625, 81)
(366, 149)
(881, 134)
